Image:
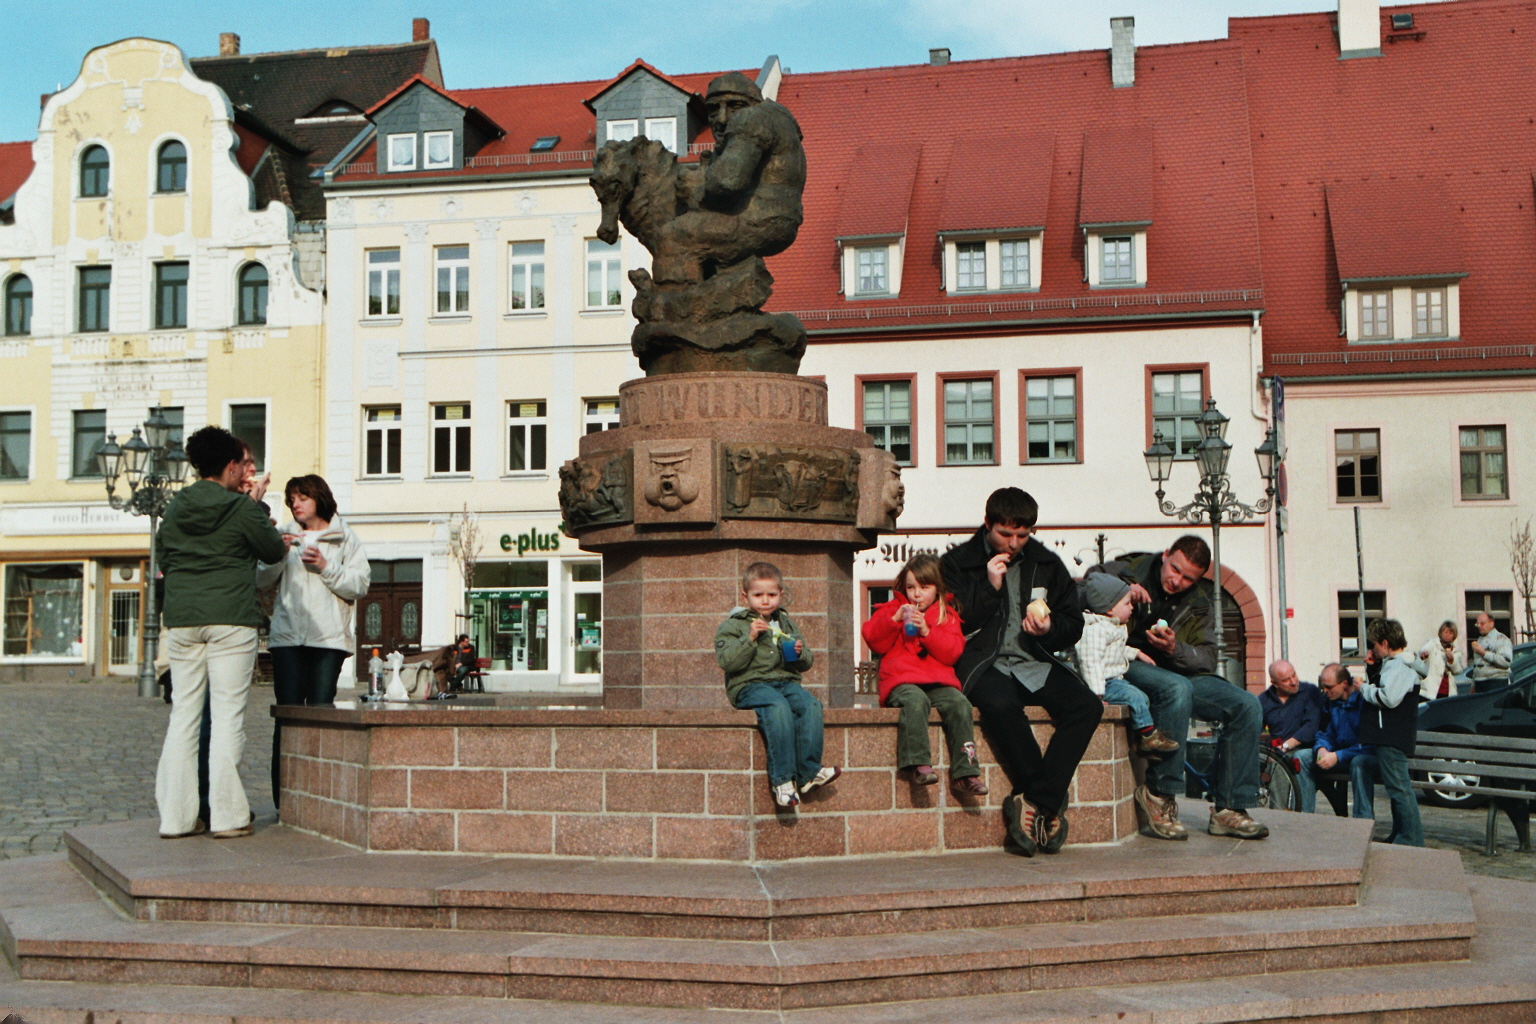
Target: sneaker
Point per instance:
(785, 794)
(1051, 832)
(1156, 745)
(826, 775)
(1019, 816)
(198, 828)
(923, 775)
(1159, 814)
(1235, 823)
(971, 785)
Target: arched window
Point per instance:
(171, 168)
(253, 294)
(18, 305)
(95, 171)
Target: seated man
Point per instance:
(1293, 711)
(466, 658)
(1338, 745)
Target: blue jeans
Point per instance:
(1306, 785)
(790, 719)
(1174, 698)
(1392, 765)
(1362, 781)
(1118, 691)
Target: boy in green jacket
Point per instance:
(763, 655)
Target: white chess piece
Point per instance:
(396, 688)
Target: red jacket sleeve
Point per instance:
(880, 632)
(944, 641)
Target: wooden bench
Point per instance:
(1504, 767)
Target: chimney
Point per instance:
(229, 44)
(421, 30)
(1359, 28)
(1122, 52)
(938, 55)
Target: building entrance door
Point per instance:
(123, 618)
(389, 615)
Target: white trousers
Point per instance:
(216, 661)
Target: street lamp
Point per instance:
(1214, 500)
(155, 470)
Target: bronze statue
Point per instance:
(708, 228)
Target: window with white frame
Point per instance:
(1177, 400)
(872, 271)
(248, 422)
(381, 440)
(402, 152)
(527, 431)
(452, 263)
(450, 438)
(437, 149)
(15, 445)
(252, 284)
(1014, 264)
(1484, 463)
(1050, 419)
(1117, 259)
(624, 130)
(971, 266)
(662, 130)
(527, 286)
(888, 417)
(602, 414)
(603, 263)
(18, 305)
(95, 172)
(1429, 313)
(968, 422)
(384, 282)
(1375, 315)
(170, 295)
(95, 299)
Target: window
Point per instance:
(253, 294)
(872, 270)
(527, 262)
(603, 273)
(663, 130)
(888, 417)
(171, 168)
(1376, 315)
(1177, 401)
(15, 445)
(452, 278)
(1015, 264)
(381, 441)
(18, 305)
(170, 295)
(544, 143)
(1483, 472)
(1117, 260)
(43, 605)
(450, 438)
(623, 131)
(384, 282)
(1498, 604)
(439, 150)
(1050, 419)
(248, 422)
(402, 152)
(95, 299)
(1429, 313)
(968, 422)
(89, 434)
(527, 429)
(1357, 465)
(95, 172)
(1351, 628)
(176, 417)
(971, 266)
(602, 414)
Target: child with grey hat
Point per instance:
(1103, 656)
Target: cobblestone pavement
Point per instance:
(81, 753)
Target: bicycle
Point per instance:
(1277, 776)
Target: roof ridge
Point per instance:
(315, 50)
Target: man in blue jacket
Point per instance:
(1293, 711)
(1338, 743)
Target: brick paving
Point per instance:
(82, 753)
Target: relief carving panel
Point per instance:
(773, 482)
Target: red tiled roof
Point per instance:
(999, 183)
(15, 166)
(877, 190)
(1385, 230)
(1452, 107)
(1117, 175)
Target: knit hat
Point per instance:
(1101, 591)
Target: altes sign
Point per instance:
(532, 540)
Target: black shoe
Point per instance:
(1019, 816)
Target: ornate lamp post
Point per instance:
(1214, 500)
(155, 468)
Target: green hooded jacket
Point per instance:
(755, 661)
(208, 546)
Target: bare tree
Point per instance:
(1522, 563)
(464, 545)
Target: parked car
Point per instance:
(1506, 710)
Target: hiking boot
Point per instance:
(785, 794)
(1051, 832)
(971, 785)
(922, 775)
(1019, 816)
(826, 775)
(1156, 745)
(1159, 815)
(1235, 823)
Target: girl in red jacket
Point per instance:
(917, 636)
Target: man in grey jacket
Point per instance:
(1491, 652)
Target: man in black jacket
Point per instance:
(1018, 605)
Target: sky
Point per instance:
(516, 42)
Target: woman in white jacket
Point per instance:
(317, 583)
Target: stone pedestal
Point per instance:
(705, 474)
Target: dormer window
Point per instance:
(1398, 311)
(402, 152)
(438, 147)
(1116, 257)
(975, 263)
(623, 131)
(662, 130)
(423, 128)
(871, 267)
